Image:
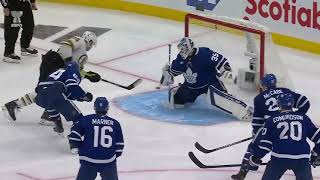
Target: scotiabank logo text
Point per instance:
(287, 11)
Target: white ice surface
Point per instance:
(136, 47)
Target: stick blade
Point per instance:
(195, 160)
(134, 84)
(202, 149)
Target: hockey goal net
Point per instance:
(247, 45)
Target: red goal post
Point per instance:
(227, 22)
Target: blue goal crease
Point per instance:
(152, 105)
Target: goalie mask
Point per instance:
(90, 38)
(185, 47)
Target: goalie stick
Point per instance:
(129, 87)
(196, 161)
(204, 150)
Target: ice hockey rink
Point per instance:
(135, 47)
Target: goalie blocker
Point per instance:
(229, 104)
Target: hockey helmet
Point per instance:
(101, 104)
(269, 81)
(285, 101)
(90, 38)
(185, 47)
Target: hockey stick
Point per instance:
(204, 150)
(196, 161)
(131, 86)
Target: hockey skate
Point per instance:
(10, 109)
(240, 175)
(29, 52)
(58, 126)
(11, 58)
(46, 120)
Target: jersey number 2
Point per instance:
(102, 133)
(272, 104)
(295, 128)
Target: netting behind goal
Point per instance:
(247, 45)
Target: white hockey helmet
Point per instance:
(90, 38)
(185, 47)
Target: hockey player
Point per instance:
(73, 49)
(55, 95)
(285, 135)
(203, 71)
(98, 140)
(265, 104)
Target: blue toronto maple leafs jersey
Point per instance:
(285, 135)
(265, 104)
(69, 78)
(98, 137)
(201, 69)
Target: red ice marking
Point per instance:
(144, 171)
(28, 176)
(138, 52)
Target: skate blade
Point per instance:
(8, 60)
(6, 114)
(46, 123)
(28, 54)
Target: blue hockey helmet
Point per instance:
(185, 47)
(285, 101)
(101, 104)
(269, 81)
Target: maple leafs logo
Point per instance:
(190, 76)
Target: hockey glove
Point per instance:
(228, 77)
(75, 151)
(88, 97)
(73, 147)
(315, 159)
(253, 163)
(166, 78)
(92, 76)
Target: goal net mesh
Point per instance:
(241, 42)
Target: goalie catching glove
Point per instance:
(228, 77)
(92, 76)
(166, 78)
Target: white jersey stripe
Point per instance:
(76, 133)
(291, 156)
(315, 134)
(98, 161)
(265, 141)
(74, 139)
(265, 148)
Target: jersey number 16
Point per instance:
(102, 133)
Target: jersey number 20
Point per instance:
(295, 128)
(102, 133)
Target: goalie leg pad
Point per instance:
(229, 104)
(172, 101)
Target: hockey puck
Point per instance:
(158, 87)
